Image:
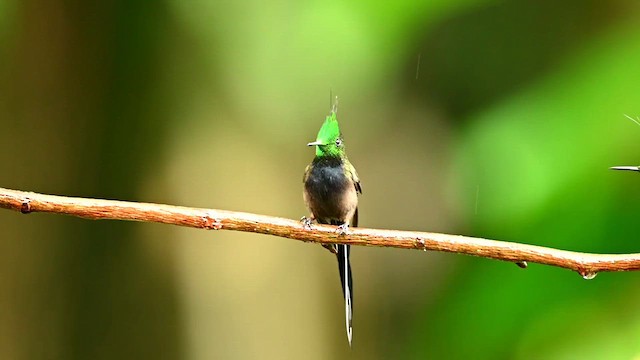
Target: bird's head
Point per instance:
(329, 141)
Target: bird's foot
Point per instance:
(343, 229)
(306, 222)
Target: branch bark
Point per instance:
(586, 264)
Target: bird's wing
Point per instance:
(358, 187)
(353, 174)
(307, 171)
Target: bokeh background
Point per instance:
(496, 119)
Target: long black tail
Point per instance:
(344, 267)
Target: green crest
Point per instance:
(329, 140)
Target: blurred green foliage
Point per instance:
(483, 118)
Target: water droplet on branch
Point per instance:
(588, 275)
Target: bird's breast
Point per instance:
(330, 194)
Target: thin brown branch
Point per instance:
(585, 264)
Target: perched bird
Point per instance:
(331, 188)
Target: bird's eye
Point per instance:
(338, 142)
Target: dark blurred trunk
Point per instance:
(78, 80)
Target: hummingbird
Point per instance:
(331, 188)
